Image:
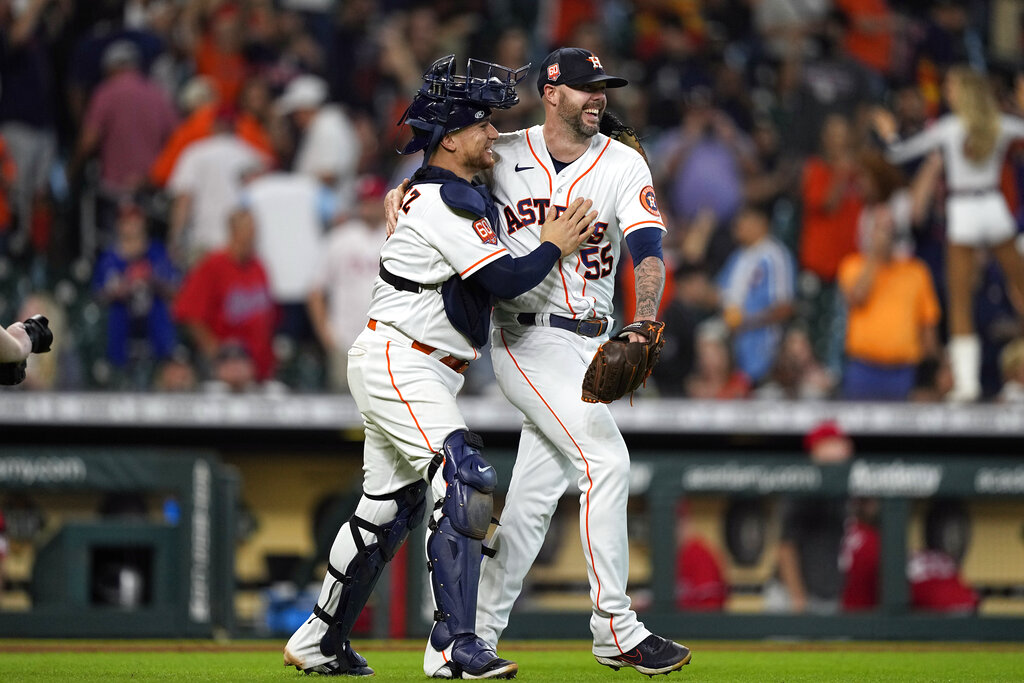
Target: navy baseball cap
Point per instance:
(574, 66)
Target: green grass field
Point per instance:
(87, 661)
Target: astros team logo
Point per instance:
(649, 201)
(595, 61)
(483, 229)
(553, 72)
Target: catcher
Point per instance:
(17, 342)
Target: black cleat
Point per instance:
(654, 655)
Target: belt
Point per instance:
(588, 327)
(454, 363)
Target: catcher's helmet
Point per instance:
(447, 102)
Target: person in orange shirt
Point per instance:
(869, 29)
(831, 204)
(201, 124)
(893, 308)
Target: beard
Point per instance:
(572, 116)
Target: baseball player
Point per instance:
(429, 315)
(544, 339)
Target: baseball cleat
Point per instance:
(468, 658)
(654, 655)
(351, 664)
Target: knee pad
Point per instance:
(358, 579)
(454, 546)
(469, 499)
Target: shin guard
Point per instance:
(458, 527)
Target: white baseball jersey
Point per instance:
(525, 185)
(431, 243)
(565, 443)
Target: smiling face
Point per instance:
(473, 144)
(581, 107)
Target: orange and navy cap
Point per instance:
(574, 66)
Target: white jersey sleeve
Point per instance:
(431, 243)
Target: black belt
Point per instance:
(403, 284)
(588, 327)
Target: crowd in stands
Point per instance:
(191, 190)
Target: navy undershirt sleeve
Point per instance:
(644, 242)
(507, 277)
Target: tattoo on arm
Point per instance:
(650, 283)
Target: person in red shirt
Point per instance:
(859, 556)
(226, 299)
(700, 578)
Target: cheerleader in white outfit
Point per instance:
(973, 141)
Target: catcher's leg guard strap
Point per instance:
(458, 526)
(358, 579)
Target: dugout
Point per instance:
(103, 569)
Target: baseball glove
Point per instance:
(614, 128)
(620, 366)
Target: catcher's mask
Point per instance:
(447, 102)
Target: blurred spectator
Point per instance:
(860, 556)
(1011, 363)
(936, 584)
(128, 120)
(347, 269)
(797, 374)
(869, 31)
(893, 307)
(206, 185)
(715, 375)
(808, 577)
(695, 300)
(202, 122)
(677, 67)
(933, 574)
(176, 374)
(28, 30)
(949, 39)
(327, 144)
(702, 164)
(775, 172)
(291, 211)
(756, 286)
(700, 576)
(788, 28)
(137, 281)
(832, 83)
(8, 175)
(832, 203)
(226, 298)
(933, 380)
(234, 372)
(973, 139)
(218, 54)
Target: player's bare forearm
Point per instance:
(650, 283)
